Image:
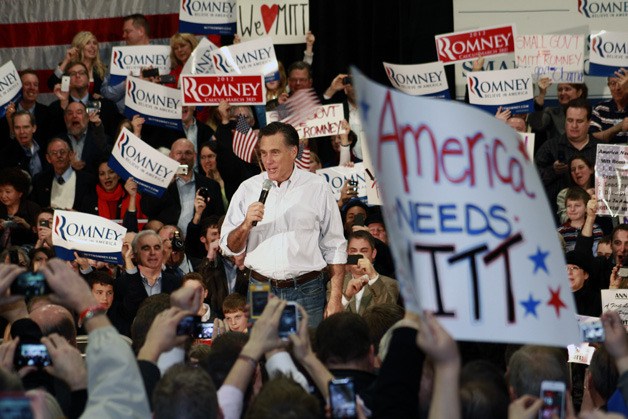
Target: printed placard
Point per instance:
(616, 300)
(157, 104)
(90, 236)
(200, 61)
(286, 21)
(509, 89)
(127, 61)
(337, 175)
(456, 47)
(559, 57)
(10, 87)
(611, 175)
(324, 122)
(207, 17)
(608, 53)
(253, 57)
(373, 195)
(419, 79)
(149, 168)
(471, 229)
(211, 90)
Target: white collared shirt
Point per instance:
(301, 230)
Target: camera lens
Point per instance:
(204, 192)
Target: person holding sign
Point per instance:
(610, 118)
(181, 47)
(290, 233)
(576, 202)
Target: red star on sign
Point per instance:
(522, 149)
(556, 301)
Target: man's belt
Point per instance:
(286, 283)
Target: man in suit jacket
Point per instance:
(23, 151)
(62, 186)
(138, 283)
(363, 286)
(176, 206)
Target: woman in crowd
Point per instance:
(181, 47)
(209, 168)
(84, 49)
(275, 88)
(17, 215)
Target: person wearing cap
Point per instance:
(585, 287)
(376, 226)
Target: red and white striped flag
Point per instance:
(244, 140)
(304, 160)
(301, 106)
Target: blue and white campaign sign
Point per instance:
(91, 236)
(149, 168)
(419, 79)
(200, 61)
(127, 61)
(471, 230)
(510, 89)
(10, 87)
(207, 17)
(157, 104)
(337, 175)
(252, 57)
(286, 21)
(609, 53)
(559, 57)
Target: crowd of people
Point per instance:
(211, 242)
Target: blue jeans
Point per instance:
(311, 296)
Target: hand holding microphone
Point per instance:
(256, 210)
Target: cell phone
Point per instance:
(188, 325)
(65, 83)
(204, 193)
(31, 354)
(15, 405)
(561, 156)
(353, 185)
(166, 79)
(30, 284)
(342, 398)
(44, 223)
(183, 169)
(353, 259)
(553, 396)
(592, 330)
(258, 298)
(204, 330)
(289, 321)
(347, 80)
(358, 220)
(150, 72)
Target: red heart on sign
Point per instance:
(269, 14)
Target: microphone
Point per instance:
(262, 196)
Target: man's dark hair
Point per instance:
(579, 103)
(362, 234)
(196, 277)
(281, 397)
(31, 117)
(29, 71)
(379, 318)
(531, 365)
(74, 64)
(618, 227)
(483, 391)
(149, 309)
(98, 277)
(139, 20)
(342, 337)
(209, 222)
(603, 372)
(290, 135)
(576, 193)
(300, 65)
(185, 392)
(606, 240)
(224, 353)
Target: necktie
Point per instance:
(60, 180)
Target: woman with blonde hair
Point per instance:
(181, 47)
(85, 49)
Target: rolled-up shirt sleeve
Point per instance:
(332, 241)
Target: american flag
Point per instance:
(303, 161)
(300, 107)
(244, 140)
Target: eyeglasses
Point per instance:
(573, 268)
(77, 73)
(58, 152)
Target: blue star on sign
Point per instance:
(539, 260)
(365, 108)
(530, 305)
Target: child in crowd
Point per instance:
(576, 202)
(234, 309)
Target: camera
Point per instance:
(187, 326)
(30, 284)
(44, 223)
(258, 298)
(347, 80)
(342, 398)
(150, 72)
(204, 193)
(177, 243)
(31, 354)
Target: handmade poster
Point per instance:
(528, 140)
(286, 21)
(337, 175)
(253, 57)
(611, 180)
(559, 57)
(456, 47)
(149, 168)
(10, 87)
(419, 79)
(616, 300)
(213, 89)
(207, 17)
(608, 53)
(509, 89)
(200, 61)
(324, 122)
(157, 104)
(90, 236)
(127, 61)
(580, 354)
(471, 230)
(373, 196)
